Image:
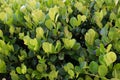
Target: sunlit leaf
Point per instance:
(49, 24)
(52, 12)
(90, 37)
(69, 43)
(39, 32)
(110, 57)
(23, 68)
(48, 47)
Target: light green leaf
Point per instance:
(68, 66)
(101, 60)
(90, 37)
(102, 70)
(74, 22)
(2, 66)
(49, 24)
(110, 58)
(1, 33)
(67, 33)
(38, 16)
(53, 75)
(12, 29)
(58, 46)
(52, 12)
(116, 2)
(5, 48)
(3, 16)
(32, 44)
(18, 69)
(41, 67)
(116, 73)
(23, 68)
(93, 67)
(48, 47)
(108, 48)
(39, 32)
(88, 77)
(14, 76)
(71, 73)
(83, 18)
(69, 43)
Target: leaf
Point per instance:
(23, 68)
(116, 73)
(101, 60)
(90, 37)
(102, 70)
(116, 2)
(41, 67)
(18, 69)
(39, 32)
(14, 76)
(58, 46)
(110, 58)
(69, 43)
(88, 77)
(1, 33)
(38, 16)
(93, 67)
(52, 12)
(49, 24)
(3, 16)
(48, 47)
(83, 18)
(12, 29)
(2, 66)
(71, 73)
(113, 34)
(68, 66)
(53, 75)
(32, 44)
(74, 22)
(67, 33)
(108, 48)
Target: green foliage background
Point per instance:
(60, 39)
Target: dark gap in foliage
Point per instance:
(5, 75)
(21, 44)
(106, 18)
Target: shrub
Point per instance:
(59, 39)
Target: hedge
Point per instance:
(59, 39)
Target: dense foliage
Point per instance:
(60, 39)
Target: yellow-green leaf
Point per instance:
(39, 32)
(52, 12)
(2, 66)
(90, 37)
